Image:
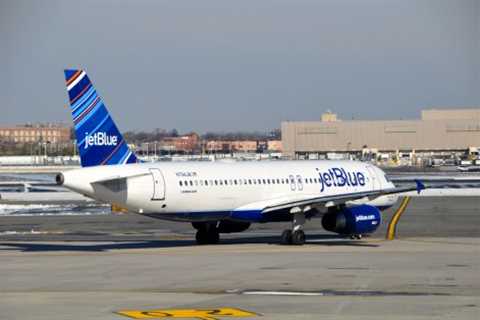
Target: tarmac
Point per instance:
(129, 266)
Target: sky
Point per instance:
(239, 65)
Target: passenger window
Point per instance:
(186, 183)
(235, 181)
(180, 182)
(254, 181)
(249, 181)
(191, 183)
(216, 182)
(221, 182)
(206, 182)
(268, 181)
(226, 182)
(315, 180)
(263, 180)
(201, 182)
(278, 181)
(273, 181)
(196, 183)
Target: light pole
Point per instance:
(45, 153)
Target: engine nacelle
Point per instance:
(226, 226)
(361, 219)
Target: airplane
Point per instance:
(222, 197)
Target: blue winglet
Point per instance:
(420, 186)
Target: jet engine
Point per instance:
(357, 220)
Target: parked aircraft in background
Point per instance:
(221, 197)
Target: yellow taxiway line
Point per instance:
(392, 226)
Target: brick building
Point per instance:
(242, 145)
(187, 143)
(35, 133)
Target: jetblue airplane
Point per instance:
(221, 197)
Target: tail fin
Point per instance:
(98, 140)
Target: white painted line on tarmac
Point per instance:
(282, 293)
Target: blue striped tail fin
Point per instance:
(98, 140)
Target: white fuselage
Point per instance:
(179, 189)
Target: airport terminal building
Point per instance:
(438, 131)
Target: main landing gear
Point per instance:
(207, 232)
(295, 236)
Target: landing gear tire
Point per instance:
(214, 237)
(287, 237)
(293, 237)
(204, 237)
(298, 237)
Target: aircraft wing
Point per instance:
(119, 177)
(315, 200)
(342, 198)
(439, 181)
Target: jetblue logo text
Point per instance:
(365, 218)
(339, 177)
(99, 139)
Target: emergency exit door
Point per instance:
(373, 177)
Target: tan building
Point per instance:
(35, 133)
(437, 130)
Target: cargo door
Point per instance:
(158, 184)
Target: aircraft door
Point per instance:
(158, 184)
(291, 179)
(373, 176)
(299, 183)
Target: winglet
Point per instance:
(420, 186)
